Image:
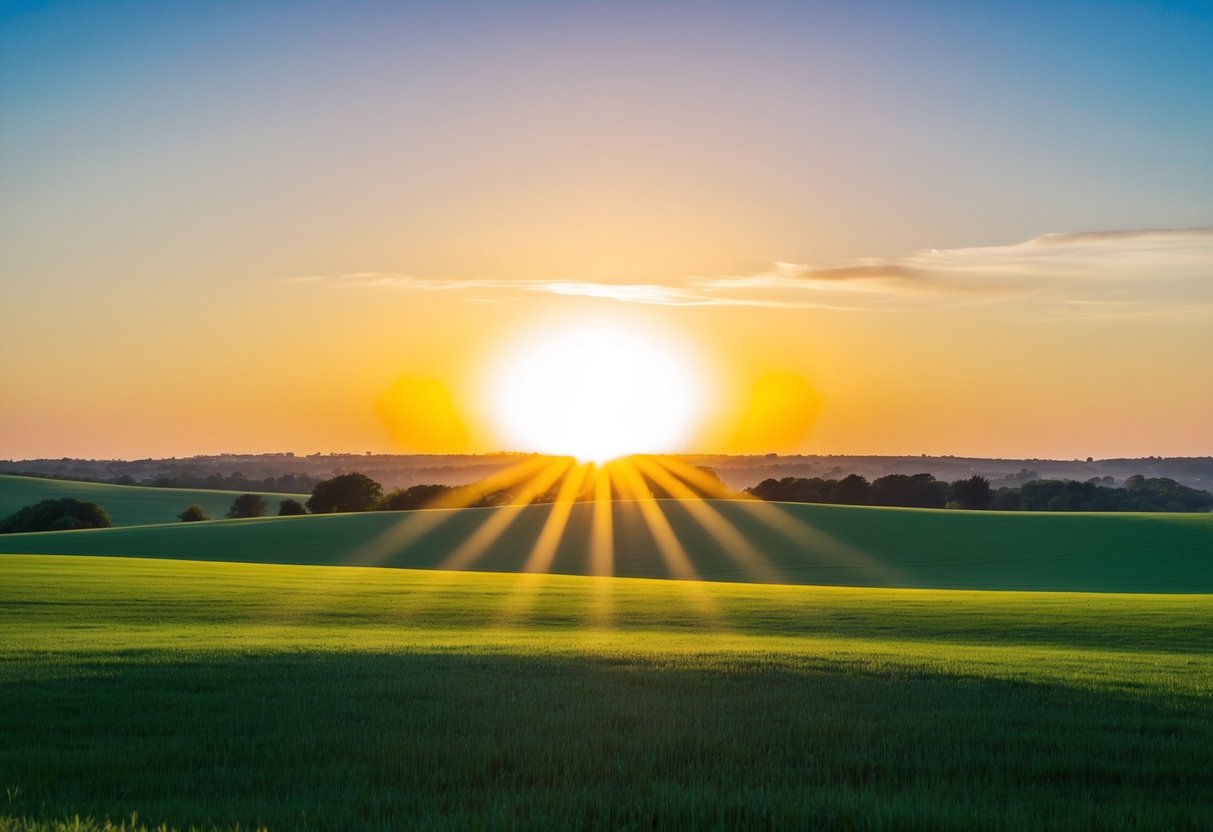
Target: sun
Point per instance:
(595, 392)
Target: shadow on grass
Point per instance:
(456, 740)
(829, 545)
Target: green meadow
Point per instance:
(836, 668)
(204, 694)
(127, 505)
(770, 543)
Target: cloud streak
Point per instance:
(1092, 275)
(694, 293)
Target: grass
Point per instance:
(832, 545)
(211, 694)
(128, 505)
(203, 694)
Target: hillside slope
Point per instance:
(764, 542)
(128, 505)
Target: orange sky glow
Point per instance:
(847, 234)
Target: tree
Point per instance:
(1007, 499)
(851, 490)
(347, 492)
(62, 514)
(193, 514)
(494, 499)
(417, 496)
(972, 493)
(247, 505)
(290, 508)
(796, 490)
(917, 490)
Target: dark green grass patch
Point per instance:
(128, 505)
(310, 698)
(836, 545)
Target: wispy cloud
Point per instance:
(693, 293)
(1093, 275)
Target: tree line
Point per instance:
(1138, 493)
(344, 493)
(356, 492)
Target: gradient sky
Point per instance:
(969, 229)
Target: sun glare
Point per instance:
(595, 393)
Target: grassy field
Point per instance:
(305, 689)
(128, 505)
(785, 543)
(325, 698)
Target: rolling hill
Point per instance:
(128, 505)
(715, 540)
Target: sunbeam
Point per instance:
(500, 518)
(805, 537)
(677, 562)
(540, 559)
(602, 540)
(416, 524)
(539, 562)
(734, 544)
(602, 550)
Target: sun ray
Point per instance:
(735, 545)
(602, 537)
(602, 550)
(544, 551)
(677, 562)
(539, 562)
(805, 536)
(705, 482)
(416, 524)
(476, 544)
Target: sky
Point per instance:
(949, 228)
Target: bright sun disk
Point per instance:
(595, 393)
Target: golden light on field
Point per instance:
(580, 505)
(596, 392)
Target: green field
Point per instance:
(128, 505)
(326, 698)
(303, 688)
(805, 544)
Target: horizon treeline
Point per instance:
(1138, 493)
(358, 492)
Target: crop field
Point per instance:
(762, 542)
(303, 697)
(127, 505)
